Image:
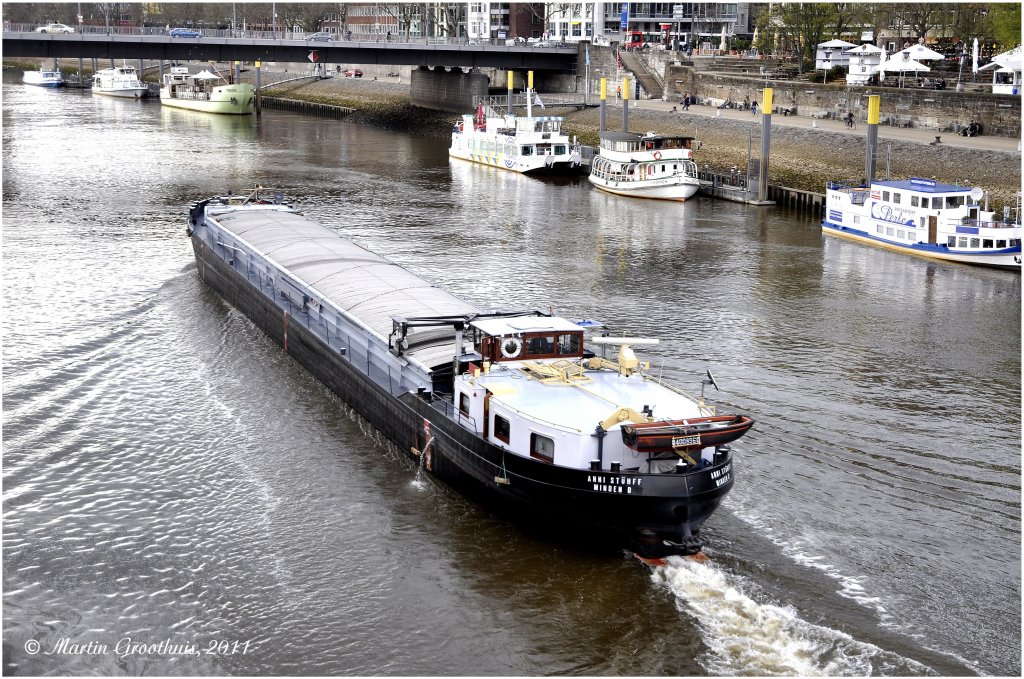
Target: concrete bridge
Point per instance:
(448, 76)
(162, 47)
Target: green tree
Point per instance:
(1005, 23)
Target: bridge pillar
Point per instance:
(455, 90)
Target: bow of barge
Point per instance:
(515, 406)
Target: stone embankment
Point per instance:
(802, 158)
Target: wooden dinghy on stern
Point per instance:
(674, 435)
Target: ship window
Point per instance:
(541, 345)
(662, 168)
(951, 241)
(464, 403)
(885, 196)
(560, 150)
(1000, 243)
(879, 228)
(542, 448)
(569, 344)
(914, 201)
(952, 201)
(501, 428)
(1014, 242)
(963, 241)
(937, 203)
(975, 242)
(889, 231)
(526, 150)
(856, 219)
(901, 234)
(896, 198)
(987, 243)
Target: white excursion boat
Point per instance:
(43, 78)
(122, 81)
(518, 143)
(924, 217)
(200, 92)
(645, 166)
(509, 405)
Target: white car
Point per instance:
(55, 28)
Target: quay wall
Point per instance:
(999, 114)
(802, 158)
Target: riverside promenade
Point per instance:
(905, 134)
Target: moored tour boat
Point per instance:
(924, 217)
(200, 92)
(511, 406)
(647, 165)
(43, 78)
(527, 144)
(122, 81)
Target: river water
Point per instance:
(181, 498)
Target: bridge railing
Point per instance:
(250, 34)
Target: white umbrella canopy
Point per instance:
(901, 66)
(754, 39)
(836, 43)
(866, 48)
(1012, 60)
(206, 75)
(974, 55)
(921, 52)
(723, 46)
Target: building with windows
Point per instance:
(690, 22)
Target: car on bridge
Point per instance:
(322, 35)
(353, 73)
(55, 28)
(184, 33)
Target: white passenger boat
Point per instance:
(43, 78)
(528, 144)
(509, 405)
(645, 166)
(924, 217)
(207, 92)
(122, 81)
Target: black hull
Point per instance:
(635, 510)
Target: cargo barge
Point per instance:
(509, 406)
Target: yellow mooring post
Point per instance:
(511, 80)
(874, 107)
(625, 104)
(766, 144)
(604, 98)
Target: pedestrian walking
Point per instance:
(753, 108)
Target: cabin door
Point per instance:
(487, 415)
(933, 227)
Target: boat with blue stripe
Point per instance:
(927, 218)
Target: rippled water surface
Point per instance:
(171, 477)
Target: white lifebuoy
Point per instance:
(511, 347)
(657, 155)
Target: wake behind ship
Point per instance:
(511, 406)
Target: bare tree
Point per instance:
(921, 17)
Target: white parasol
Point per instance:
(1011, 60)
(723, 46)
(919, 52)
(866, 48)
(901, 66)
(974, 56)
(206, 75)
(836, 43)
